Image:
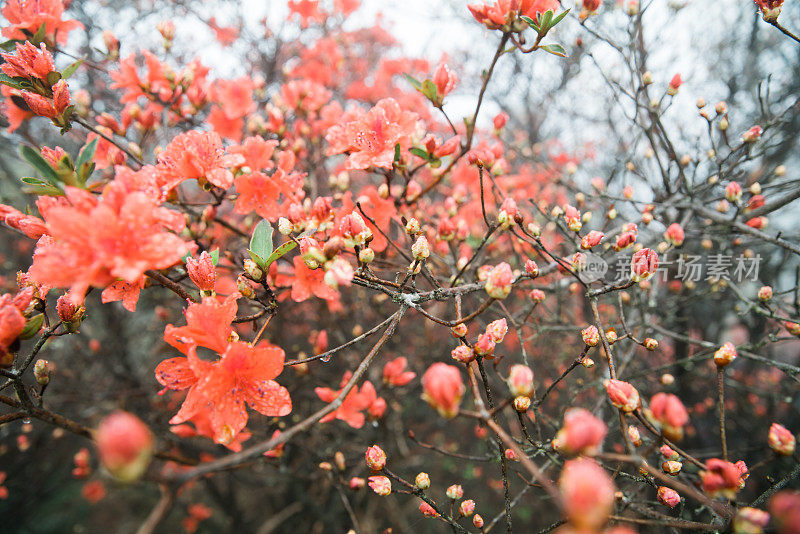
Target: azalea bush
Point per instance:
(314, 283)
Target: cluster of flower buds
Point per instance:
(509, 214)
(722, 478)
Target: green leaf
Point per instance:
(530, 22)
(70, 70)
(53, 77)
(413, 81)
(555, 49)
(39, 163)
(545, 19)
(9, 45)
(261, 243)
(559, 17)
(397, 153)
(419, 153)
(40, 187)
(32, 327)
(5, 79)
(430, 91)
(279, 252)
(87, 153)
(38, 37)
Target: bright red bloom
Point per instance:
(443, 388)
(395, 374)
(582, 433)
(588, 494)
(197, 156)
(370, 138)
(15, 114)
(445, 79)
(243, 375)
(202, 271)
(353, 405)
(308, 10)
(261, 192)
(307, 282)
(234, 101)
(127, 292)
(28, 62)
(27, 16)
(135, 235)
(505, 11)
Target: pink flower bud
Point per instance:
(459, 330)
(725, 354)
(668, 497)
(443, 388)
(572, 217)
(720, 478)
(497, 330)
(590, 335)
(522, 403)
(485, 345)
(520, 380)
(592, 239)
(444, 79)
(421, 249)
(733, 192)
(477, 521)
(587, 493)
(643, 264)
(498, 281)
(462, 354)
(454, 492)
(667, 452)
(427, 510)
(125, 445)
(623, 395)
(202, 271)
(537, 295)
(765, 293)
(466, 508)
(511, 455)
(582, 433)
(500, 120)
(531, 268)
(674, 84)
(792, 328)
(380, 485)
(376, 458)
(672, 467)
(752, 135)
(750, 521)
(674, 234)
(668, 410)
(634, 436)
(423, 481)
(781, 440)
(650, 344)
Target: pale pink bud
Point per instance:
(623, 395)
(421, 249)
(459, 330)
(520, 380)
(477, 521)
(497, 330)
(752, 135)
(125, 445)
(725, 354)
(380, 485)
(466, 508)
(582, 433)
(587, 494)
(634, 436)
(443, 388)
(765, 293)
(537, 295)
(485, 345)
(668, 410)
(498, 281)
(781, 440)
(454, 492)
(462, 354)
(674, 234)
(751, 521)
(531, 268)
(376, 458)
(500, 120)
(590, 335)
(423, 481)
(356, 483)
(733, 192)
